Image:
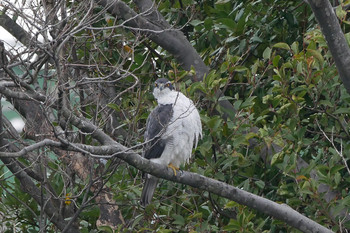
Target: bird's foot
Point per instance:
(170, 165)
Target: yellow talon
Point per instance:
(173, 167)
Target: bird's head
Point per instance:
(162, 87)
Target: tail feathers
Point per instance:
(148, 190)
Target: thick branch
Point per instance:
(335, 38)
(4, 89)
(12, 27)
(152, 24)
(279, 211)
(169, 39)
(112, 148)
(87, 127)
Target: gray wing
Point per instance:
(156, 122)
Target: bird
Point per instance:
(173, 129)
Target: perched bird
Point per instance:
(173, 128)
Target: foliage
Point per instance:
(274, 67)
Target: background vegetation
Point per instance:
(286, 137)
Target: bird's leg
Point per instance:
(173, 167)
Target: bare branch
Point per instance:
(25, 150)
(4, 89)
(331, 140)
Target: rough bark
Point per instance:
(335, 38)
(159, 31)
(279, 211)
(17, 31)
(152, 24)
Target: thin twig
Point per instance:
(331, 140)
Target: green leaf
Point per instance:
(341, 13)
(225, 98)
(336, 168)
(256, 39)
(342, 111)
(295, 47)
(114, 106)
(222, 2)
(229, 23)
(248, 102)
(305, 188)
(316, 54)
(276, 60)
(196, 215)
(230, 204)
(106, 229)
(233, 226)
(162, 230)
(260, 184)
(342, 205)
(239, 15)
(267, 53)
(300, 68)
(208, 23)
(179, 220)
(337, 178)
(231, 39)
(250, 135)
(276, 158)
(326, 103)
(281, 45)
(137, 219)
(240, 68)
(196, 22)
(214, 123)
(237, 104)
(255, 67)
(196, 86)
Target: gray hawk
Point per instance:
(173, 128)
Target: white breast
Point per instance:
(183, 131)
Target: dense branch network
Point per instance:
(113, 148)
(55, 132)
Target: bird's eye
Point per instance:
(156, 84)
(167, 85)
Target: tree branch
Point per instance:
(279, 211)
(172, 40)
(46, 202)
(335, 38)
(4, 89)
(25, 150)
(16, 31)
